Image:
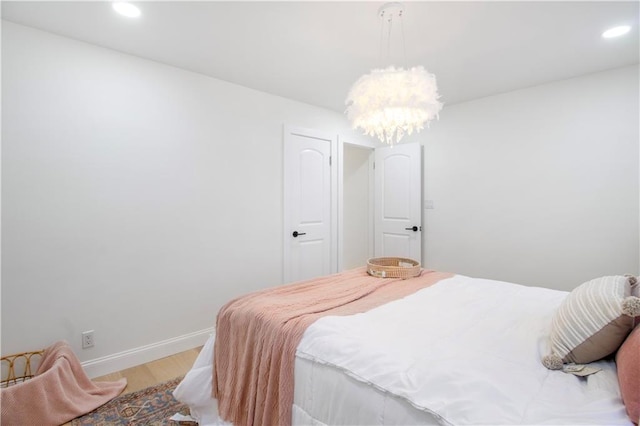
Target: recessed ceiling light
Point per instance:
(126, 9)
(616, 31)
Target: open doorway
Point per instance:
(380, 198)
(357, 205)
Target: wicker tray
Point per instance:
(393, 267)
(18, 367)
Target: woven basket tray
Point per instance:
(393, 267)
(19, 367)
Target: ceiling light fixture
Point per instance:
(126, 9)
(391, 102)
(616, 31)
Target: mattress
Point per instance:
(323, 395)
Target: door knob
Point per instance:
(413, 228)
(296, 233)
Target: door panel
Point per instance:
(397, 245)
(309, 205)
(398, 199)
(313, 199)
(308, 254)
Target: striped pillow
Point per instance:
(593, 321)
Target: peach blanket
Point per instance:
(60, 391)
(257, 336)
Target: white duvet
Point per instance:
(467, 351)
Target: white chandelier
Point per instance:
(389, 103)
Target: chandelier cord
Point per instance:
(389, 34)
(381, 41)
(389, 39)
(404, 45)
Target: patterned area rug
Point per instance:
(150, 406)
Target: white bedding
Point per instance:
(325, 395)
(470, 358)
(196, 389)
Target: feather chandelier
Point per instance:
(393, 102)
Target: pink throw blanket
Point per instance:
(257, 336)
(60, 391)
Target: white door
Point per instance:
(398, 199)
(310, 243)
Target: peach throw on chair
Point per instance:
(257, 336)
(60, 391)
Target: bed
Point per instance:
(456, 350)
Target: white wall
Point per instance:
(537, 186)
(356, 206)
(137, 198)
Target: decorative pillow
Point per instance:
(628, 362)
(593, 321)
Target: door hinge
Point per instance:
(329, 160)
(374, 165)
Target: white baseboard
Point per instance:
(143, 354)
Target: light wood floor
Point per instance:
(155, 372)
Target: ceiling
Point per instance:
(313, 51)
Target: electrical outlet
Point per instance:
(87, 339)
